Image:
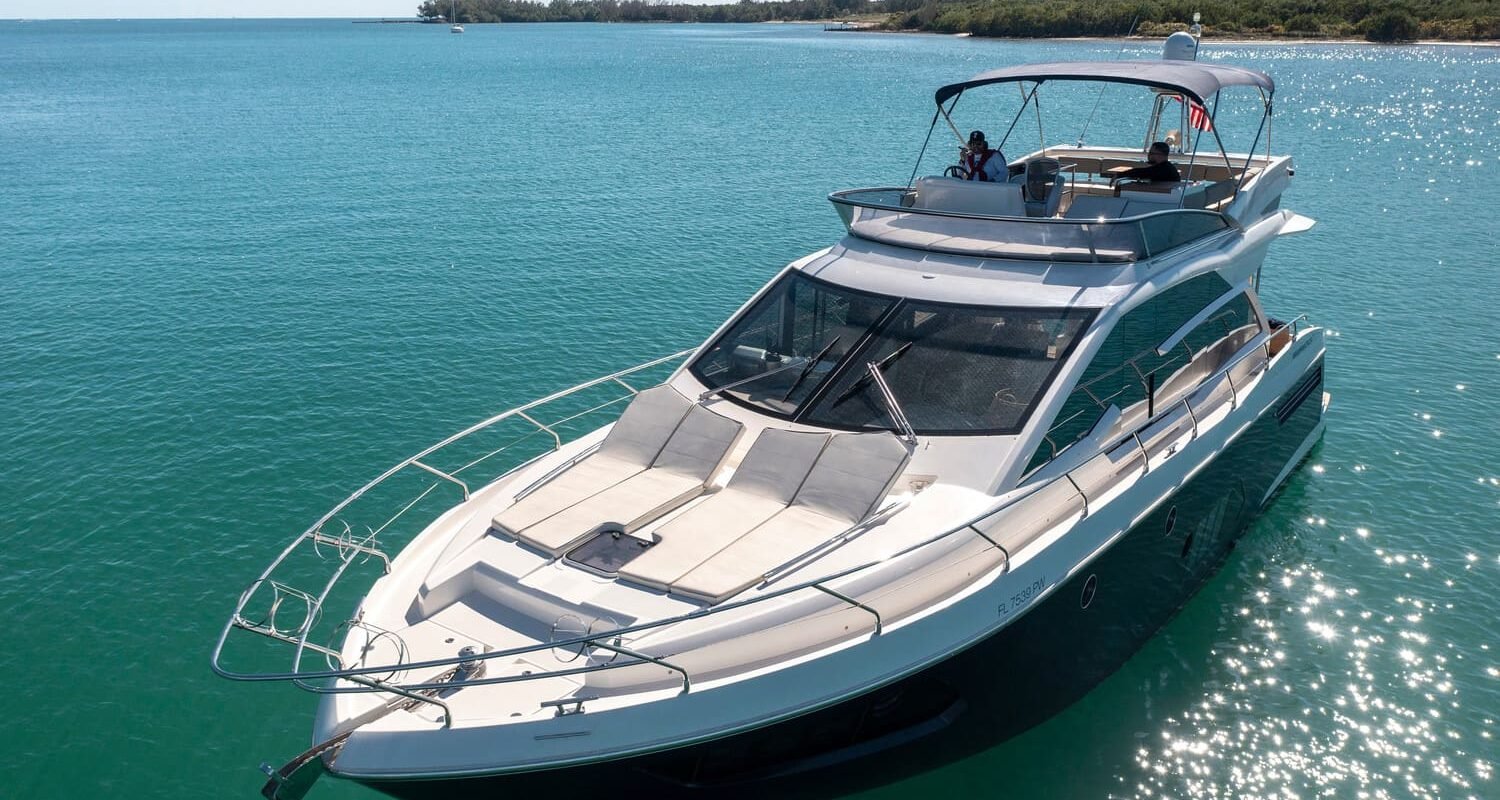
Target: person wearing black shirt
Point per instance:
(1158, 171)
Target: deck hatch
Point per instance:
(608, 549)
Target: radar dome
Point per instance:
(1181, 46)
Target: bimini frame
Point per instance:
(1194, 82)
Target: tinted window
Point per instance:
(802, 352)
(954, 369)
(1121, 371)
(789, 342)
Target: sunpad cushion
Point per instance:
(699, 444)
(764, 482)
(630, 446)
(589, 476)
(777, 463)
(700, 532)
(646, 425)
(744, 563)
(639, 498)
(852, 474)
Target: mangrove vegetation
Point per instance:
(1405, 20)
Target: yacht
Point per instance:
(923, 490)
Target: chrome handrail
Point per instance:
(1101, 405)
(844, 198)
(1103, 238)
(351, 548)
(601, 639)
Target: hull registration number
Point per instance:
(1022, 597)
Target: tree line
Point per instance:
(639, 11)
(1375, 20)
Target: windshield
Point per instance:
(788, 343)
(803, 353)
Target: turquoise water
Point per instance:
(248, 265)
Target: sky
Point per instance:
(191, 9)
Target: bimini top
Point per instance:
(1197, 80)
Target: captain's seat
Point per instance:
(1042, 189)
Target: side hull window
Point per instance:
(1128, 367)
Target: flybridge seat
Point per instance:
(660, 454)
(848, 478)
(1135, 202)
(970, 197)
(1043, 182)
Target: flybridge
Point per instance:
(933, 217)
(1073, 203)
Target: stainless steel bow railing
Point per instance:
(1267, 348)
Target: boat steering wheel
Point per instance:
(956, 171)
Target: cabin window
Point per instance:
(954, 370)
(778, 352)
(802, 352)
(1121, 373)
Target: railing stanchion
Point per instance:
(851, 601)
(687, 684)
(1085, 497)
(441, 474)
(556, 440)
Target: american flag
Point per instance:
(1197, 115)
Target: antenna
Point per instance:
(1103, 86)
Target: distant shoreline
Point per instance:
(1237, 40)
(863, 28)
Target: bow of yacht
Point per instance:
(924, 489)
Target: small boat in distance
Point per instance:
(926, 488)
(456, 28)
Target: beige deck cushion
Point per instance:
(765, 481)
(698, 534)
(646, 425)
(790, 533)
(678, 474)
(630, 446)
(778, 463)
(631, 503)
(851, 475)
(699, 444)
(580, 481)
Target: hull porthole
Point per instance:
(1171, 523)
(1090, 586)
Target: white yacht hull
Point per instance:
(997, 660)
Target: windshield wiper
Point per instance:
(808, 368)
(743, 381)
(857, 386)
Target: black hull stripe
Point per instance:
(1304, 390)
